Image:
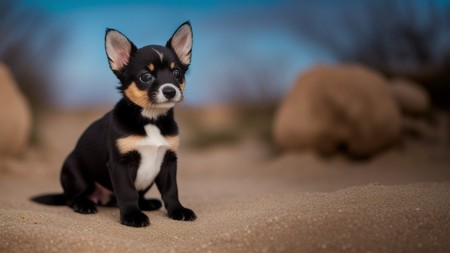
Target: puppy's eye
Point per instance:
(176, 73)
(146, 77)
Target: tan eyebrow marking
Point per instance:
(151, 67)
(172, 65)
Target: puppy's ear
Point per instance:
(119, 49)
(181, 43)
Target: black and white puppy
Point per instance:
(119, 157)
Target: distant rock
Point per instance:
(15, 116)
(338, 108)
(412, 98)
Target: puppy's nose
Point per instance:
(169, 92)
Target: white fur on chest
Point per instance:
(152, 149)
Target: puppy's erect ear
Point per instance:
(181, 43)
(118, 48)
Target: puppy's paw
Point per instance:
(84, 206)
(149, 204)
(183, 214)
(135, 219)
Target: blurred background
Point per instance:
(250, 59)
(233, 40)
(283, 98)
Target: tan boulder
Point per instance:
(15, 116)
(411, 97)
(333, 108)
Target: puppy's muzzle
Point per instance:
(169, 92)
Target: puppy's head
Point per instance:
(151, 77)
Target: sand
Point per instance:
(247, 200)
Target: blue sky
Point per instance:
(233, 40)
(227, 39)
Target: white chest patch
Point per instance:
(152, 149)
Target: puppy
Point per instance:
(119, 157)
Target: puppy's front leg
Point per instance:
(126, 195)
(166, 181)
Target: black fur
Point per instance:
(97, 158)
(51, 199)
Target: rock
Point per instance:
(412, 98)
(15, 116)
(330, 108)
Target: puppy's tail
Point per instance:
(58, 199)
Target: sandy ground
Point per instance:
(247, 200)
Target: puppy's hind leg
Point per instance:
(148, 204)
(77, 187)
